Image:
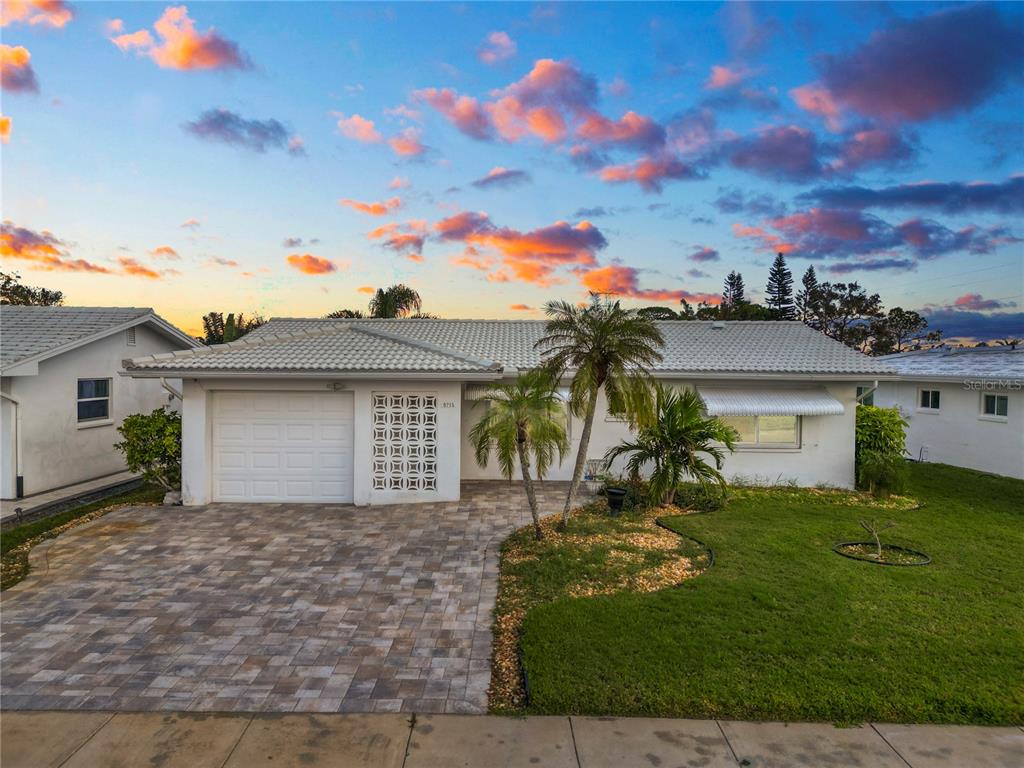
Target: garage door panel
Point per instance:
(285, 446)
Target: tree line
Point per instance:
(845, 312)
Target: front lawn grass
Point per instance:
(782, 628)
(17, 542)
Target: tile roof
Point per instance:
(30, 331)
(959, 362)
(317, 350)
(364, 345)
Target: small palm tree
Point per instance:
(395, 301)
(524, 417)
(606, 347)
(674, 442)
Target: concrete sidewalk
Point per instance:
(172, 740)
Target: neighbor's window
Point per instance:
(929, 399)
(869, 400)
(766, 431)
(93, 399)
(995, 405)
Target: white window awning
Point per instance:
(722, 401)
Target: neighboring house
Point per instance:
(379, 411)
(61, 398)
(963, 406)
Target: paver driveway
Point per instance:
(271, 607)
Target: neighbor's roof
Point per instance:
(959, 363)
(34, 333)
(292, 345)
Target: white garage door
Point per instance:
(282, 446)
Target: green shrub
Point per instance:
(880, 450)
(703, 498)
(152, 446)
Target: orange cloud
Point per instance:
(373, 209)
(464, 112)
(528, 256)
(366, 289)
(407, 143)
(164, 252)
(50, 13)
(180, 46)
(16, 73)
(623, 281)
(359, 128)
(135, 269)
(521, 308)
(5, 129)
(406, 239)
(309, 264)
(42, 249)
(399, 182)
(817, 100)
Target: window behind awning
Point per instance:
(812, 401)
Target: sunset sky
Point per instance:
(285, 158)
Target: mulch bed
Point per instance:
(626, 548)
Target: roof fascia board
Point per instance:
(152, 373)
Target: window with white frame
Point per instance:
(928, 400)
(996, 406)
(404, 441)
(93, 399)
(765, 431)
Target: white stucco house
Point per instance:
(379, 411)
(963, 406)
(61, 398)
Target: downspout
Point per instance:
(170, 389)
(862, 395)
(19, 481)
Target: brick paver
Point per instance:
(265, 607)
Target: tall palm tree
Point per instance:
(395, 301)
(674, 442)
(523, 418)
(605, 347)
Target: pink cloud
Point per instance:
(407, 143)
(630, 130)
(817, 100)
(359, 128)
(928, 65)
(399, 182)
(464, 112)
(181, 46)
(649, 172)
(164, 252)
(724, 77)
(406, 239)
(976, 303)
(496, 48)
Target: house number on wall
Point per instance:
(447, 404)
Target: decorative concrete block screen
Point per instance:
(404, 441)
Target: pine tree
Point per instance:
(779, 291)
(805, 298)
(734, 290)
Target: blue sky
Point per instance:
(646, 149)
